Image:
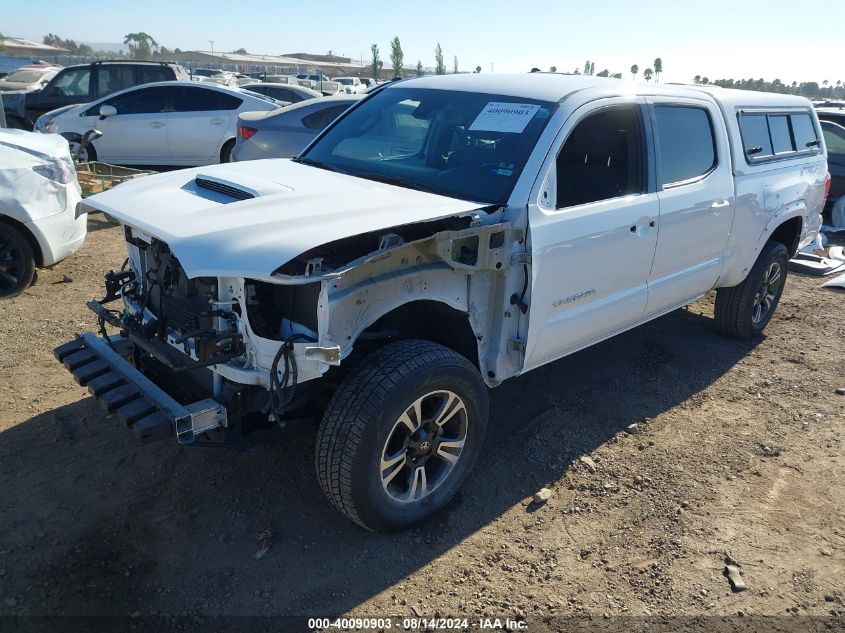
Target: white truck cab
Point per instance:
(441, 236)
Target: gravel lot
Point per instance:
(737, 453)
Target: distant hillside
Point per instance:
(109, 47)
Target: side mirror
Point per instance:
(107, 111)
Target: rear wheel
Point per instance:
(17, 262)
(401, 434)
(745, 310)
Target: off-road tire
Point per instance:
(15, 245)
(735, 305)
(358, 421)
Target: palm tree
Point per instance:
(658, 68)
(634, 70)
(647, 73)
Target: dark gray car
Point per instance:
(283, 133)
(284, 92)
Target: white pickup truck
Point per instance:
(443, 235)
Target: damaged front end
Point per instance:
(223, 360)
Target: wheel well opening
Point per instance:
(36, 248)
(788, 234)
(431, 321)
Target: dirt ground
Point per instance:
(738, 452)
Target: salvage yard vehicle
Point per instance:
(166, 123)
(442, 235)
(87, 82)
(834, 139)
(39, 225)
(288, 93)
(351, 85)
(28, 78)
(284, 133)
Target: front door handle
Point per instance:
(720, 204)
(156, 124)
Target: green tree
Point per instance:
(634, 70)
(397, 57)
(658, 68)
(455, 65)
(592, 68)
(419, 68)
(439, 66)
(696, 79)
(552, 69)
(647, 73)
(478, 70)
(604, 73)
(705, 80)
(587, 67)
(141, 45)
(240, 51)
(2, 42)
(376, 61)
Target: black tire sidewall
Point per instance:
(376, 509)
(23, 245)
(774, 252)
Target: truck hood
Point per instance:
(293, 209)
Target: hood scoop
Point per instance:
(244, 189)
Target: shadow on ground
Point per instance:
(92, 522)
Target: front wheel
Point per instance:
(17, 262)
(744, 310)
(401, 434)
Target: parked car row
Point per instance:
(165, 123)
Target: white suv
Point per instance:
(441, 236)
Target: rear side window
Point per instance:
(151, 74)
(767, 136)
(781, 136)
(320, 119)
(755, 135)
(204, 100)
(805, 132)
(114, 78)
(687, 148)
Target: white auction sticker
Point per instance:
(504, 117)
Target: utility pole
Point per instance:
(212, 51)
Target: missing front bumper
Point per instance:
(103, 368)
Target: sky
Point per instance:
(717, 39)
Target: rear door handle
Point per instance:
(720, 204)
(156, 123)
(217, 120)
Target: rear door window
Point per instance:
(189, 99)
(152, 74)
(686, 143)
(113, 78)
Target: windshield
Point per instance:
(26, 76)
(465, 145)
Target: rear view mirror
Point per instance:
(107, 111)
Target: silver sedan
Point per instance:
(283, 133)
